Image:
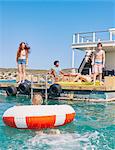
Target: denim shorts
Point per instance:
(22, 61)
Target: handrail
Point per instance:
(45, 83)
(84, 61)
(96, 36)
(92, 32)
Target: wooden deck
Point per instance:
(67, 87)
(106, 92)
(108, 86)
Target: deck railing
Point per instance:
(92, 37)
(41, 79)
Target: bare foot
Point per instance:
(101, 83)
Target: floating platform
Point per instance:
(74, 90)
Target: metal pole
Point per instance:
(82, 40)
(73, 40)
(110, 36)
(94, 37)
(31, 87)
(72, 58)
(89, 71)
(78, 38)
(38, 78)
(46, 93)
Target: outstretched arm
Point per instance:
(61, 72)
(17, 57)
(93, 58)
(26, 58)
(103, 59)
(52, 72)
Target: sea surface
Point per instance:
(92, 129)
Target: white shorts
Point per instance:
(98, 68)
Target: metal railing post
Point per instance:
(46, 93)
(31, 87)
(94, 37)
(73, 40)
(78, 38)
(89, 71)
(82, 40)
(38, 78)
(111, 36)
(73, 58)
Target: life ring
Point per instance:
(24, 88)
(39, 116)
(55, 90)
(11, 90)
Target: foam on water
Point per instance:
(68, 141)
(64, 141)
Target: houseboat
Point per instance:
(87, 42)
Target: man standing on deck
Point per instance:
(98, 62)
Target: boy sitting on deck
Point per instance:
(56, 71)
(58, 75)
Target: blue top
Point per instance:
(57, 70)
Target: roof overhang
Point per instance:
(107, 46)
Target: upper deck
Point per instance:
(89, 40)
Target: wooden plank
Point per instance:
(85, 87)
(96, 100)
(85, 100)
(110, 81)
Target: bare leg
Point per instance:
(85, 78)
(76, 78)
(53, 73)
(100, 79)
(20, 72)
(23, 72)
(94, 78)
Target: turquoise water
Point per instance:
(7, 81)
(92, 129)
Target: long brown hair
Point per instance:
(27, 48)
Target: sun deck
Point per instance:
(107, 45)
(87, 41)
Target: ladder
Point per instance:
(85, 60)
(39, 82)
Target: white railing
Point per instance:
(92, 37)
(41, 79)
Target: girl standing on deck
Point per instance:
(22, 61)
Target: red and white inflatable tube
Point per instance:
(38, 117)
